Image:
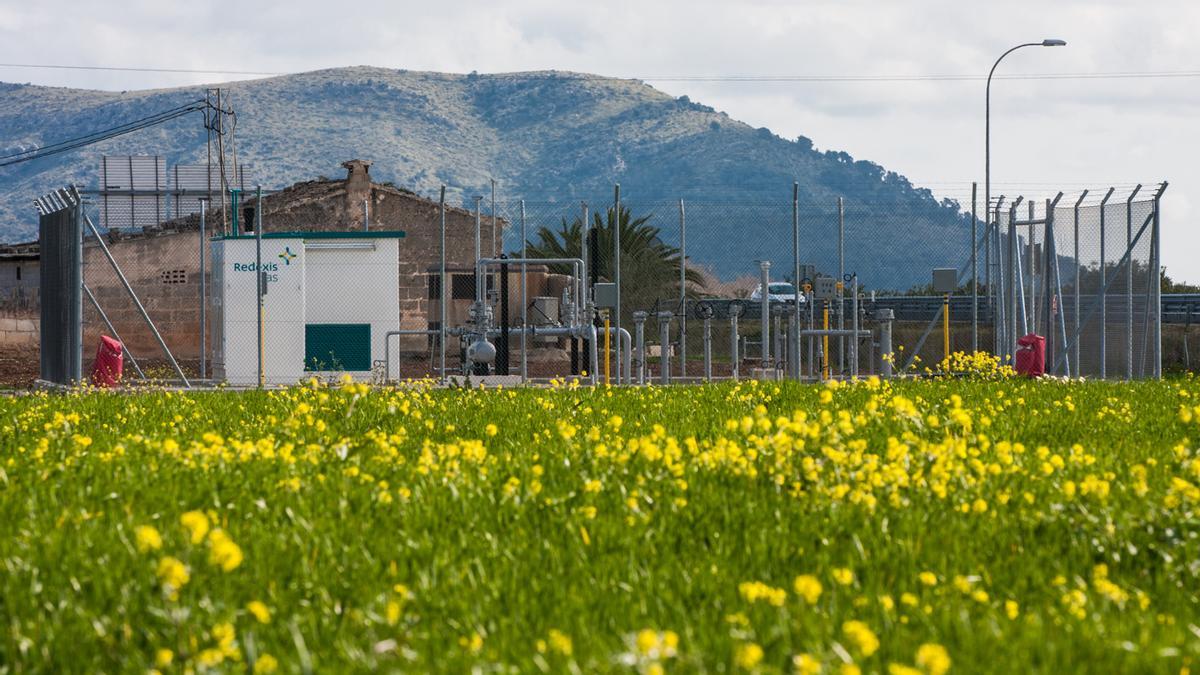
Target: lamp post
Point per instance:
(987, 133)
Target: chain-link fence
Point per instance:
(352, 287)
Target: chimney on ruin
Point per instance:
(358, 187)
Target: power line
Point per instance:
(1152, 74)
(101, 135)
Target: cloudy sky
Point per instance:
(1048, 134)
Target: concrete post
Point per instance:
(664, 348)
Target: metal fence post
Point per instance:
(1103, 293)
(841, 288)
(854, 325)
(1078, 275)
(1157, 281)
(796, 347)
(1033, 314)
(203, 293)
(442, 284)
(974, 275)
(764, 266)
(639, 337)
(1129, 284)
(525, 301)
(262, 375)
(616, 226)
(682, 291)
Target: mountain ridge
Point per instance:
(553, 136)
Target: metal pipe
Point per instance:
(203, 294)
(366, 215)
(1129, 284)
(112, 329)
(387, 347)
(494, 218)
(779, 338)
(616, 225)
(442, 284)
(795, 365)
(1078, 277)
(733, 346)
(764, 267)
(594, 353)
(682, 291)
(77, 329)
(138, 303)
(707, 349)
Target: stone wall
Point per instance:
(21, 332)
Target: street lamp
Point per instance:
(987, 134)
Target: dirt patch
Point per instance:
(19, 366)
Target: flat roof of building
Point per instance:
(322, 234)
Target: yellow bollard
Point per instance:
(825, 338)
(607, 345)
(946, 332)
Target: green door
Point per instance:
(337, 346)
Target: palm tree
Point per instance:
(649, 266)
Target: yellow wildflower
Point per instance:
(223, 552)
(196, 523)
(265, 665)
(147, 538)
(933, 658)
(748, 656)
(808, 587)
(259, 610)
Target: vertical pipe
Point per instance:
(442, 294)
(795, 365)
(733, 345)
(366, 215)
(682, 291)
(525, 304)
(262, 376)
(1078, 276)
(779, 337)
(1129, 283)
(639, 336)
(707, 349)
(616, 235)
(841, 290)
(203, 293)
(494, 233)
(974, 274)
(1102, 294)
(764, 266)
(946, 332)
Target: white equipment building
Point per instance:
(329, 300)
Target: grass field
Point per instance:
(917, 527)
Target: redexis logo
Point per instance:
(287, 256)
(252, 267)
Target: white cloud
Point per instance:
(1058, 132)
